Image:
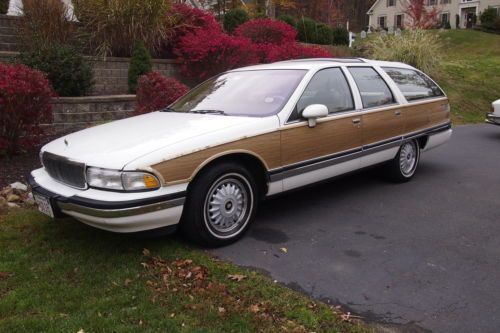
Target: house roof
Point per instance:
(371, 8)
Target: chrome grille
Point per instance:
(65, 171)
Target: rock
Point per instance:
(12, 205)
(19, 186)
(13, 197)
(30, 200)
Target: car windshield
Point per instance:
(257, 93)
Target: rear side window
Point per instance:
(413, 85)
(372, 87)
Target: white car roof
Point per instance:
(318, 63)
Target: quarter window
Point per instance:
(373, 89)
(413, 85)
(328, 87)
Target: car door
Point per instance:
(330, 148)
(383, 119)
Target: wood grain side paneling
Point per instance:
(300, 143)
(382, 125)
(439, 112)
(421, 116)
(266, 147)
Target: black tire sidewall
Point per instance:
(193, 224)
(394, 171)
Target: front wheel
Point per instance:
(403, 167)
(221, 204)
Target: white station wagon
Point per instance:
(203, 163)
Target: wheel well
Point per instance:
(422, 141)
(252, 163)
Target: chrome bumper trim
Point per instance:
(492, 119)
(115, 213)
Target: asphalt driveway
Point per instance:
(418, 256)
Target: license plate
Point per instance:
(44, 205)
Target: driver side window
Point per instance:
(328, 87)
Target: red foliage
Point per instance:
(25, 103)
(204, 53)
(155, 91)
(267, 31)
(271, 53)
(420, 15)
(183, 19)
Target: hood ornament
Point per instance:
(66, 142)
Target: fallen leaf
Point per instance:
(146, 253)
(81, 331)
(127, 282)
(236, 277)
(172, 315)
(284, 249)
(254, 308)
(222, 310)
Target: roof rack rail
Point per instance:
(342, 60)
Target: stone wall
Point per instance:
(76, 113)
(111, 74)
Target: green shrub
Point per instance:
(288, 20)
(340, 36)
(4, 6)
(419, 48)
(306, 28)
(324, 34)
(113, 27)
(140, 64)
(234, 18)
(488, 18)
(67, 70)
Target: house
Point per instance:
(458, 13)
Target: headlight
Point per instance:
(121, 181)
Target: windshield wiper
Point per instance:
(208, 112)
(167, 109)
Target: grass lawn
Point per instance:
(471, 73)
(63, 276)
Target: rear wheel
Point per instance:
(403, 167)
(221, 204)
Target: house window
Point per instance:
(432, 2)
(382, 22)
(445, 19)
(445, 2)
(391, 3)
(399, 21)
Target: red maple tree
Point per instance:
(420, 15)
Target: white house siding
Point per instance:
(16, 8)
(460, 7)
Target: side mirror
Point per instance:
(313, 112)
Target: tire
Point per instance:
(404, 166)
(220, 206)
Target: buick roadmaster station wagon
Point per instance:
(204, 162)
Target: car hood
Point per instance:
(115, 144)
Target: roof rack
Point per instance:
(342, 60)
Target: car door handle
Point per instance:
(356, 121)
(397, 113)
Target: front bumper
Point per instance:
(492, 118)
(118, 216)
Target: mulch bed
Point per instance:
(18, 167)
